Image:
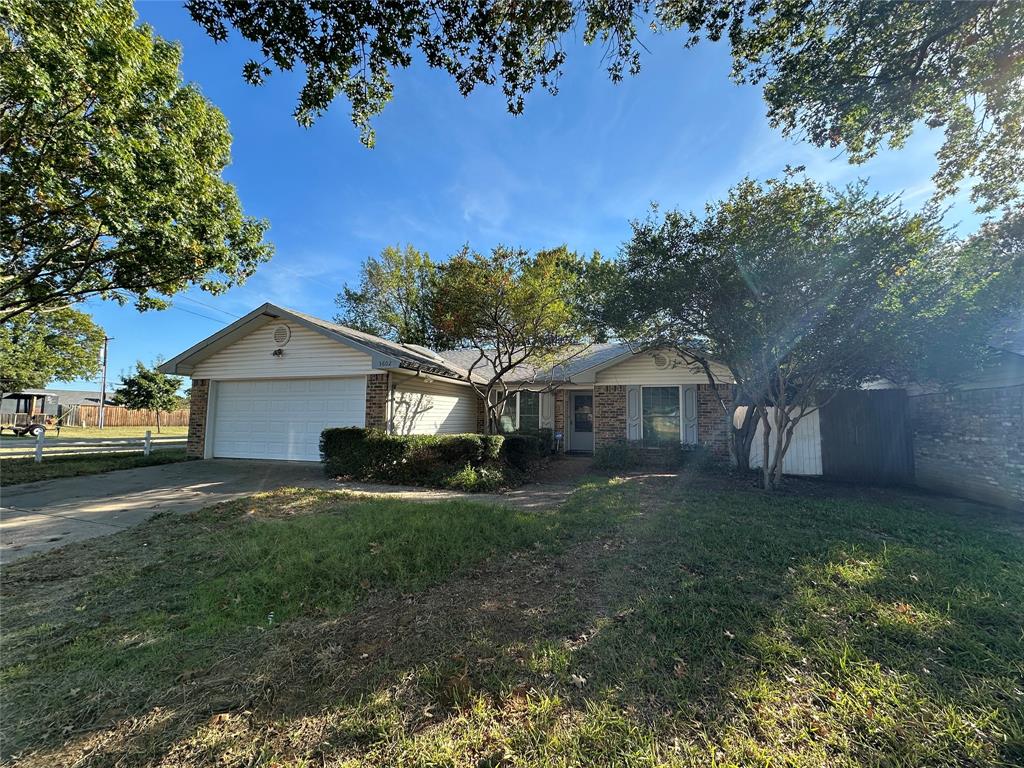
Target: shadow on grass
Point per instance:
(653, 623)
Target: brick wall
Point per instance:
(609, 414)
(971, 443)
(711, 430)
(481, 414)
(377, 393)
(195, 447)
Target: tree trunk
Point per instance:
(743, 436)
(158, 421)
(765, 448)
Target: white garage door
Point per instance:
(283, 418)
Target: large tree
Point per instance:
(947, 313)
(393, 298)
(787, 283)
(517, 311)
(40, 347)
(110, 168)
(149, 390)
(841, 73)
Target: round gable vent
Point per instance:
(282, 334)
(660, 361)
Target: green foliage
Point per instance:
(855, 75)
(394, 299)
(787, 283)
(110, 180)
(17, 471)
(39, 347)
(517, 311)
(484, 479)
(622, 455)
(468, 462)
(524, 451)
(946, 311)
(148, 389)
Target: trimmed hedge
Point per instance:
(624, 454)
(524, 450)
(464, 462)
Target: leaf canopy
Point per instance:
(111, 169)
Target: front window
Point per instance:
(661, 415)
(507, 417)
(529, 411)
(520, 412)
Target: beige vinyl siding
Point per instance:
(307, 354)
(641, 369)
(432, 407)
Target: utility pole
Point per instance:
(103, 385)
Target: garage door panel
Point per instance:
(283, 419)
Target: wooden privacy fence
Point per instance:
(859, 435)
(866, 437)
(25, 448)
(117, 416)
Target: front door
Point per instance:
(581, 421)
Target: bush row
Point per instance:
(464, 462)
(623, 454)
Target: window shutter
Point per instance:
(547, 410)
(689, 419)
(633, 413)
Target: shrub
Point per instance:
(479, 480)
(619, 455)
(625, 455)
(523, 450)
(468, 462)
(343, 451)
(492, 446)
(545, 435)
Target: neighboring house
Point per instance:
(267, 385)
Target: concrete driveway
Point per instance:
(35, 517)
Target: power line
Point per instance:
(200, 314)
(209, 306)
(182, 309)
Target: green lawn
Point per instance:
(77, 433)
(16, 471)
(647, 622)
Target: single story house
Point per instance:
(267, 385)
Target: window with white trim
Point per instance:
(660, 415)
(520, 412)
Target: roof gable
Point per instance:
(383, 354)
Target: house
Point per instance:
(268, 384)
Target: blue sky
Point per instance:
(447, 171)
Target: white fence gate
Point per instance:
(804, 454)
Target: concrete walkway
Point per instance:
(35, 517)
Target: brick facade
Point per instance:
(711, 429)
(378, 390)
(195, 447)
(481, 414)
(609, 413)
(971, 443)
(559, 414)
